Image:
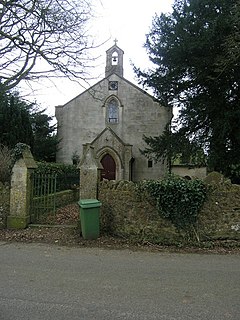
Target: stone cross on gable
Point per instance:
(115, 41)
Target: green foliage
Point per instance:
(7, 159)
(230, 54)
(177, 199)
(75, 158)
(18, 149)
(5, 164)
(68, 176)
(58, 168)
(22, 122)
(45, 139)
(15, 125)
(172, 146)
(186, 47)
(234, 173)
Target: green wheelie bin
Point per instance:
(89, 217)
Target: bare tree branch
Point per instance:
(53, 31)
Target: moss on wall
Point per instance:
(127, 214)
(66, 197)
(4, 204)
(62, 198)
(220, 215)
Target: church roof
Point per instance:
(112, 69)
(99, 84)
(114, 47)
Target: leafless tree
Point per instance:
(43, 38)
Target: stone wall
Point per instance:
(220, 216)
(4, 204)
(191, 171)
(62, 198)
(66, 197)
(127, 214)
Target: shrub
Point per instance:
(18, 150)
(178, 200)
(67, 175)
(58, 168)
(5, 164)
(234, 174)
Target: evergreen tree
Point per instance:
(15, 125)
(174, 146)
(45, 138)
(193, 72)
(24, 122)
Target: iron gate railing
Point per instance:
(43, 195)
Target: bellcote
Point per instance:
(114, 61)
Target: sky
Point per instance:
(128, 21)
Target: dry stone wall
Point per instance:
(66, 197)
(220, 216)
(126, 213)
(4, 204)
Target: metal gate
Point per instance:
(43, 196)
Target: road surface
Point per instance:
(43, 282)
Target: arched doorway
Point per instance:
(109, 167)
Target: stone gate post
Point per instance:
(20, 192)
(89, 174)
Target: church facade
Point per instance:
(113, 116)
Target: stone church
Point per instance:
(112, 116)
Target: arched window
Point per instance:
(112, 111)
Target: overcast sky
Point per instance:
(126, 20)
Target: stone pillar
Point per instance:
(89, 174)
(127, 161)
(20, 193)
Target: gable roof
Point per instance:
(112, 133)
(114, 47)
(106, 78)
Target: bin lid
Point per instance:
(89, 203)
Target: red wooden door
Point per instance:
(109, 167)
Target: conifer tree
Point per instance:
(23, 122)
(15, 125)
(194, 73)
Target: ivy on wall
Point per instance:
(18, 150)
(177, 199)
